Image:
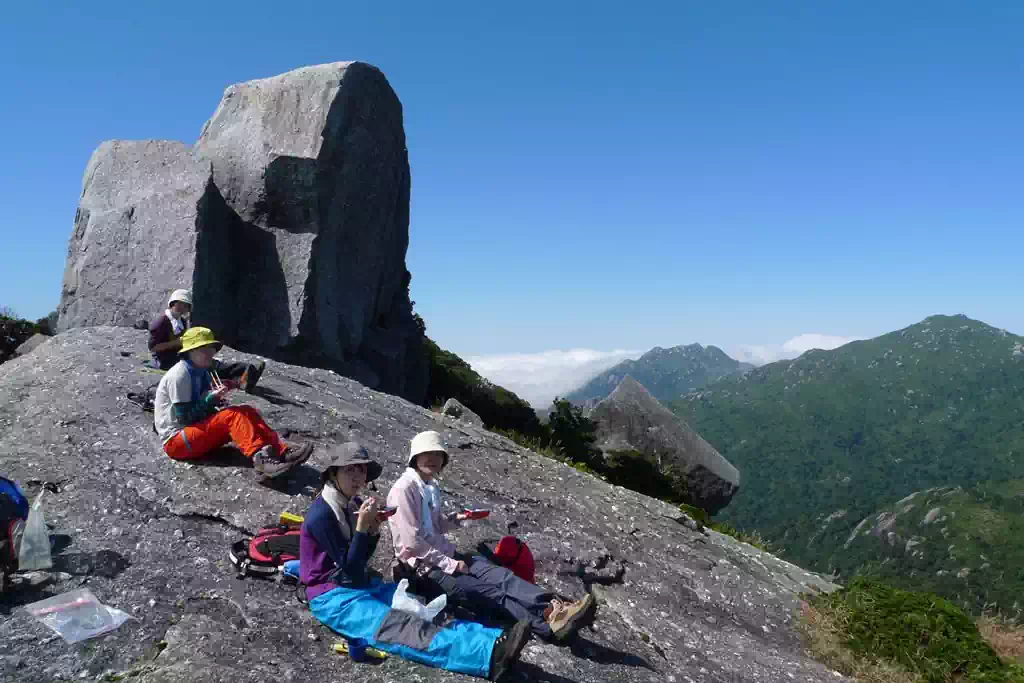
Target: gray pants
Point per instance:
(493, 590)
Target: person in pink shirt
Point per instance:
(419, 528)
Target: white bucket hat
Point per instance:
(182, 295)
(427, 442)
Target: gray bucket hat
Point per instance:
(352, 453)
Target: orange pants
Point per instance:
(242, 425)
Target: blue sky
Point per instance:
(592, 175)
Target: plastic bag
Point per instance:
(35, 541)
(77, 615)
(406, 603)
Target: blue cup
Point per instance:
(357, 649)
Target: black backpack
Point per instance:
(145, 399)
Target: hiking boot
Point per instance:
(253, 374)
(507, 648)
(269, 465)
(565, 616)
(297, 455)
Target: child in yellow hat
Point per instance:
(191, 419)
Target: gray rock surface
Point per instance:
(631, 419)
(150, 536)
(30, 344)
(453, 409)
(289, 219)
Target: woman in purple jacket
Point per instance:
(338, 537)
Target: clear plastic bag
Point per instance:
(77, 615)
(406, 603)
(35, 540)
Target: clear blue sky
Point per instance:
(603, 175)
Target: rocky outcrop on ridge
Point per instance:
(631, 419)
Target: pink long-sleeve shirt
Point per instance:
(413, 544)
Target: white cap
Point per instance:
(427, 442)
(182, 295)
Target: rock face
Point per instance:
(150, 536)
(452, 408)
(31, 344)
(631, 419)
(289, 219)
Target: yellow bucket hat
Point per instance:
(195, 337)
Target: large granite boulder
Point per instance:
(289, 219)
(631, 419)
(455, 410)
(150, 536)
(31, 344)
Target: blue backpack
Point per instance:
(13, 513)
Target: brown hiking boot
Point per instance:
(507, 648)
(564, 616)
(297, 454)
(269, 465)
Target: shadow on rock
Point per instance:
(303, 480)
(275, 397)
(105, 563)
(26, 592)
(32, 586)
(602, 654)
(59, 543)
(225, 456)
(532, 672)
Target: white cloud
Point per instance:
(540, 377)
(762, 354)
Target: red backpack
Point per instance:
(264, 553)
(515, 556)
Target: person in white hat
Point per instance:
(165, 331)
(165, 342)
(338, 538)
(418, 529)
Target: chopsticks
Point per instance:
(217, 382)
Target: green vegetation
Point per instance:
(834, 436)
(879, 633)
(964, 544)
(452, 377)
(639, 472)
(666, 373)
(14, 331)
(573, 435)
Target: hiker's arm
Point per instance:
(450, 521)
(193, 411)
(161, 336)
(351, 557)
(407, 529)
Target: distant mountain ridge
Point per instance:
(668, 374)
(835, 436)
